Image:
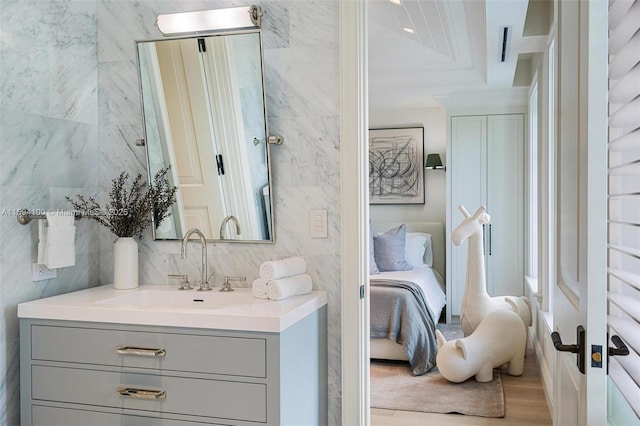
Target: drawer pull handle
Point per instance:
(141, 393)
(132, 350)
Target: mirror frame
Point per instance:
(195, 35)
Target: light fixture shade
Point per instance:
(210, 20)
(434, 162)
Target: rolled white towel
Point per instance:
(259, 288)
(290, 286)
(274, 269)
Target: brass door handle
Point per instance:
(136, 351)
(141, 393)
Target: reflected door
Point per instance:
(192, 134)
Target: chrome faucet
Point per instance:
(226, 286)
(204, 283)
(224, 224)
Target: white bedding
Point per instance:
(429, 281)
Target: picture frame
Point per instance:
(396, 166)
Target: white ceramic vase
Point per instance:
(125, 263)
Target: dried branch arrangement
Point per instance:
(131, 209)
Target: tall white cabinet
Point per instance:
(486, 167)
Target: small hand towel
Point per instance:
(274, 269)
(60, 249)
(259, 288)
(290, 286)
(42, 240)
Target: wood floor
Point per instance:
(525, 405)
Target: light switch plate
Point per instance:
(318, 223)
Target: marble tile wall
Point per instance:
(69, 117)
(48, 149)
(302, 84)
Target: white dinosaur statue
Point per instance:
(476, 302)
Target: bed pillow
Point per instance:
(414, 249)
(373, 267)
(418, 251)
(389, 250)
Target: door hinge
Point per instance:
(202, 47)
(362, 291)
(220, 164)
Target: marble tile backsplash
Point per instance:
(69, 117)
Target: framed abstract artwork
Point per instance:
(396, 166)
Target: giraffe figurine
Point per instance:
(476, 302)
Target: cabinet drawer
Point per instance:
(55, 416)
(235, 356)
(196, 397)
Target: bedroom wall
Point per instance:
(435, 141)
(538, 282)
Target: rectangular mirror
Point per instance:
(204, 111)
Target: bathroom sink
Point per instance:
(175, 299)
(164, 305)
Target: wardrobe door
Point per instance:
(505, 204)
(468, 187)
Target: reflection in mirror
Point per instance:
(204, 112)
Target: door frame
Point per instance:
(354, 127)
(354, 202)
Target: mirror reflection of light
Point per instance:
(205, 20)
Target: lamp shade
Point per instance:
(434, 162)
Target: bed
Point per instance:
(396, 302)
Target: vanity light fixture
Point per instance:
(395, 2)
(205, 21)
(434, 162)
(408, 30)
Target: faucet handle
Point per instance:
(184, 281)
(226, 286)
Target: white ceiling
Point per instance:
(453, 57)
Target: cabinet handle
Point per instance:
(490, 239)
(141, 393)
(484, 240)
(135, 351)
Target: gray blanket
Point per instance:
(398, 312)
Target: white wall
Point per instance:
(435, 141)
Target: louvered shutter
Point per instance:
(624, 195)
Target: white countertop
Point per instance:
(237, 310)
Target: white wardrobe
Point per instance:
(486, 167)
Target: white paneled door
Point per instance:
(580, 287)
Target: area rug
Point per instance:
(394, 388)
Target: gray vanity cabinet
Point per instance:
(83, 373)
